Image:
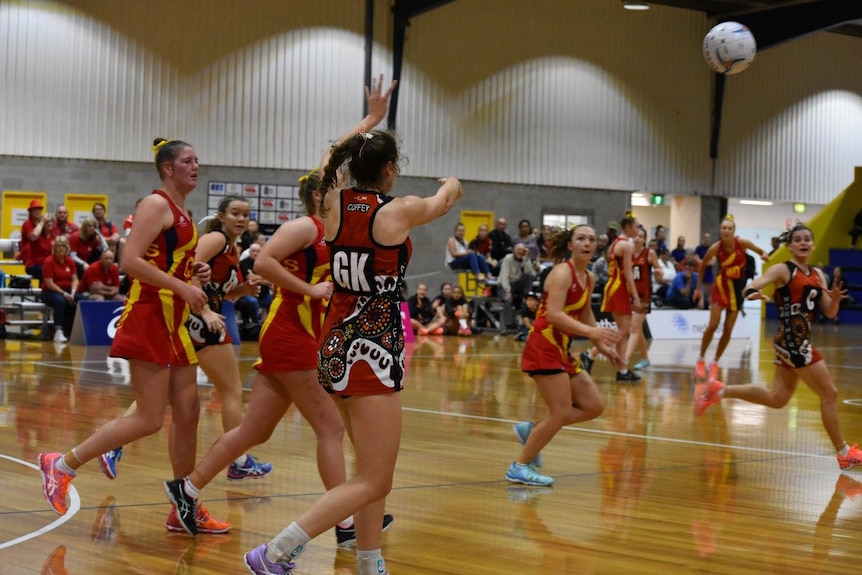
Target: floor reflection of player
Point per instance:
(717, 479)
(845, 488)
(46, 408)
(622, 460)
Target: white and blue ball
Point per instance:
(729, 48)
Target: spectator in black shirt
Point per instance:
(528, 315)
(425, 318)
(501, 244)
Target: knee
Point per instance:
(829, 396)
(593, 408)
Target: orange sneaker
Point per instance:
(848, 486)
(700, 369)
(55, 483)
(853, 457)
(206, 523)
(713, 370)
(438, 331)
(706, 394)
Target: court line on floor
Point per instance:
(74, 507)
(629, 435)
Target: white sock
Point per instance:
(370, 562)
(346, 523)
(845, 451)
(61, 465)
(290, 543)
(240, 461)
(190, 489)
(624, 371)
(463, 323)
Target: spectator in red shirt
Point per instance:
(87, 245)
(62, 225)
(108, 230)
(101, 281)
(481, 244)
(59, 283)
(37, 235)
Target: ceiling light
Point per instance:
(755, 203)
(632, 5)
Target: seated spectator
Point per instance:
(857, 229)
(87, 245)
(109, 231)
(528, 315)
(258, 239)
(59, 284)
(62, 225)
(481, 244)
(542, 238)
(678, 254)
(458, 313)
(601, 246)
(425, 318)
(101, 281)
(680, 294)
(839, 282)
(526, 237)
(440, 300)
(517, 273)
(668, 272)
(461, 258)
(247, 237)
(660, 238)
(39, 247)
(776, 243)
(501, 244)
(600, 270)
(253, 309)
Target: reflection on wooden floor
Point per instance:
(646, 488)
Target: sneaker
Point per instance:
(700, 369)
(108, 462)
(853, 457)
(346, 536)
(706, 394)
(59, 337)
(252, 468)
(642, 364)
(522, 432)
(258, 564)
(183, 507)
(713, 370)
(204, 522)
(55, 564)
(586, 361)
(55, 483)
(527, 475)
(464, 331)
(437, 331)
(628, 377)
(107, 520)
(522, 493)
(848, 486)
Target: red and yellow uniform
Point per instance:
(547, 347)
(796, 302)
(730, 280)
(617, 298)
(153, 324)
(642, 275)
(362, 352)
(291, 332)
(225, 276)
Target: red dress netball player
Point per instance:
(727, 291)
(644, 260)
(361, 355)
(799, 287)
(564, 311)
(621, 294)
(151, 332)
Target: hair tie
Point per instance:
(160, 145)
(365, 137)
(729, 217)
(304, 178)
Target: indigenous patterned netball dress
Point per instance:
(225, 276)
(362, 352)
(547, 347)
(617, 298)
(291, 331)
(796, 302)
(730, 280)
(641, 270)
(153, 325)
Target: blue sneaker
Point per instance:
(257, 563)
(527, 475)
(108, 462)
(522, 431)
(642, 364)
(252, 468)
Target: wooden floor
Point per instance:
(646, 488)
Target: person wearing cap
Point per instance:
(528, 315)
(35, 242)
